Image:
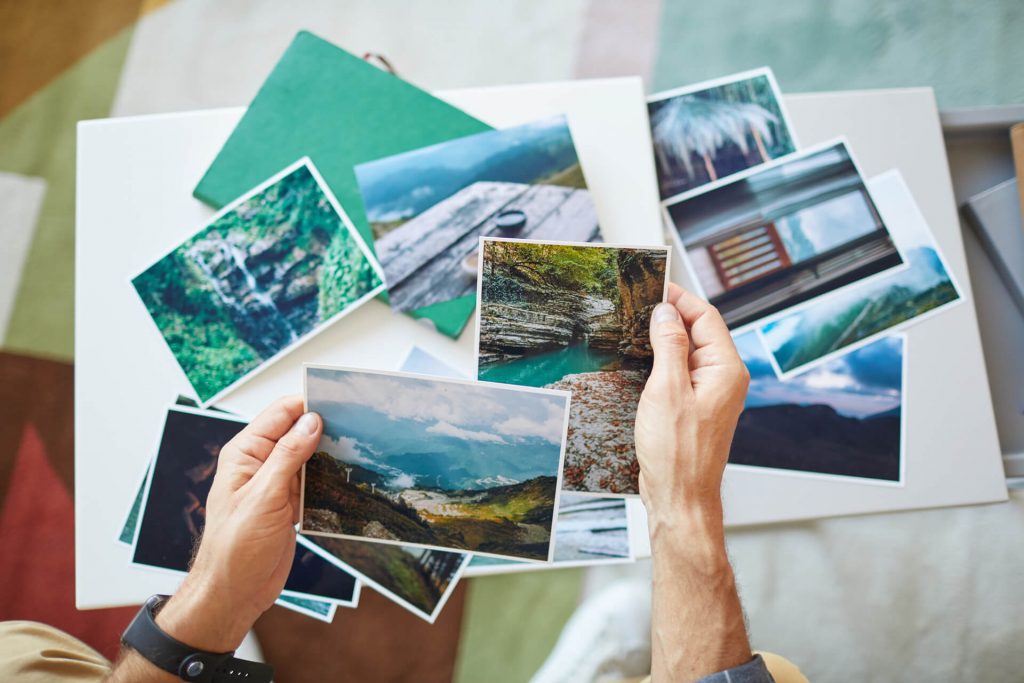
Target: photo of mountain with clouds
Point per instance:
(439, 463)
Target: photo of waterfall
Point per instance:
(708, 131)
(266, 273)
(575, 317)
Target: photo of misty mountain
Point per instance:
(428, 207)
(576, 318)
(267, 272)
(841, 418)
(826, 327)
(434, 462)
(711, 130)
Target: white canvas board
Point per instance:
(135, 179)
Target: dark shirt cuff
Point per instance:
(753, 671)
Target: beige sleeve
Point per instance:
(36, 653)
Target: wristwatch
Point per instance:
(187, 663)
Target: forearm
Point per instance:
(697, 624)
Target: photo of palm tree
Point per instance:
(709, 131)
(265, 274)
(575, 317)
(845, 320)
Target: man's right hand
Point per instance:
(689, 408)
(684, 428)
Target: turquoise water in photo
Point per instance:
(544, 368)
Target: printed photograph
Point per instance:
(418, 579)
(429, 207)
(712, 130)
(782, 234)
(843, 418)
(853, 317)
(315, 609)
(590, 531)
(266, 273)
(575, 317)
(173, 511)
(440, 463)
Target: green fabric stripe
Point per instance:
(512, 622)
(38, 139)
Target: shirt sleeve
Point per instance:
(753, 671)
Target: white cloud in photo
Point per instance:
(548, 428)
(474, 412)
(829, 379)
(448, 429)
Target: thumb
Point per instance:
(671, 345)
(291, 451)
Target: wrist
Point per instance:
(690, 532)
(199, 616)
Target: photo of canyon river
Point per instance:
(266, 273)
(575, 317)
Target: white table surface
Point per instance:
(135, 177)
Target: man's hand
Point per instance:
(684, 429)
(689, 408)
(249, 540)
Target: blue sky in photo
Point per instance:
(830, 224)
(417, 431)
(404, 185)
(864, 382)
(911, 234)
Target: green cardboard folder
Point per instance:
(328, 104)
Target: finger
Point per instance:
(290, 454)
(671, 346)
(260, 436)
(709, 334)
(674, 292)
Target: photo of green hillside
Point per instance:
(263, 275)
(575, 317)
(419, 579)
(437, 463)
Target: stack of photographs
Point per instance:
(815, 269)
(168, 513)
(423, 476)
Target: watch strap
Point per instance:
(146, 637)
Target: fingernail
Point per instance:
(308, 424)
(664, 313)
